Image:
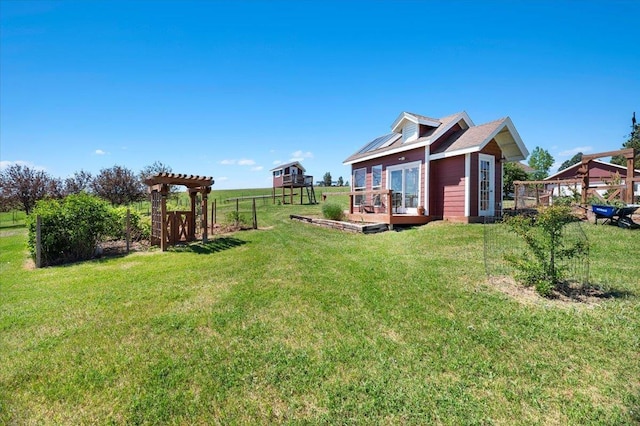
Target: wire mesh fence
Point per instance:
(501, 244)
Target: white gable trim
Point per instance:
(514, 134)
(405, 116)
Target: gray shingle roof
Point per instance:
(468, 138)
(444, 123)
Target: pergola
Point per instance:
(169, 228)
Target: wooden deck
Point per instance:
(393, 219)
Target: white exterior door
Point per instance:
(404, 181)
(486, 185)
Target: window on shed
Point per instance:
(359, 184)
(277, 173)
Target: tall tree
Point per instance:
(118, 185)
(632, 142)
(570, 162)
(326, 179)
(23, 186)
(156, 168)
(340, 181)
(77, 183)
(540, 161)
(512, 172)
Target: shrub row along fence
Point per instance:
(509, 254)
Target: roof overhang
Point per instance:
(507, 138)
(405, 116)
(283, 166)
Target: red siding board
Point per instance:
(447, 187)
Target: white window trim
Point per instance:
(403, 166)
(355, 188)
(376, 199)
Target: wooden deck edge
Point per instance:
(365, 228)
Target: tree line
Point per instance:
(22, 186)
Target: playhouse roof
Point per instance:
(284, 166)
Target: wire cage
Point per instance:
(502, 243)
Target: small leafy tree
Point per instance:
(540, 161)
(118, 185)
(633, 141)
(570, 162)
(23, 186)
(543, 236)
(71, 227)
(326, 179)
(78, 182)
(512, 172)
(340, 181)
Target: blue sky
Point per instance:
(229, 89)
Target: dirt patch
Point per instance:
(570, 294)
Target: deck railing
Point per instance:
(297, 180)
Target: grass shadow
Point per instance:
(212, 246)
(591, 291)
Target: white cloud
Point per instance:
(574, 151)
(241, 162)
(6, 164)
(100, 152)
(221, 179)
(277, 162)
(257, 168)
(300, 154)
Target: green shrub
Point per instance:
(71, 228)
(139, 228)
(236, 218)
(543, 236)
(332, 211)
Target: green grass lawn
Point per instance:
(298, 324)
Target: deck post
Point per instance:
(390, 204)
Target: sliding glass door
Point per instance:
(404, 181)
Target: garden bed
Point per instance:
(363, 228)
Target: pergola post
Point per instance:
(164, 237)
(629, 180)
(204, 193)
(192, 224)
